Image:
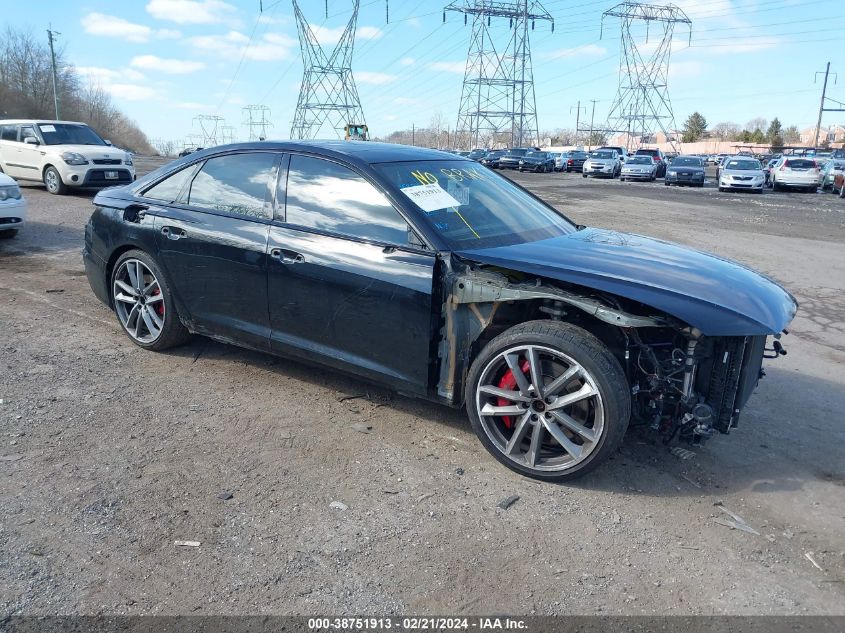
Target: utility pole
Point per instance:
(592, 122)
(577, 119)
(821, 104)
(51, 34)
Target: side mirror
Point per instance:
(107, 141)
(31, 140)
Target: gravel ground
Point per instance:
(108, 454)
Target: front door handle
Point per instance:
(173, 233)
(287, 257)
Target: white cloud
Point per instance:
(272, 46)
(169, 66)
(190, 11)
(131, 92)
(369, 32)
(331, 35)
(168, 34)
(587, 50)
(111, 26)
(376, 79)
(109, 75)
(450, 67)
(407, 61)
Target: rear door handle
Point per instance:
(287, 257)
(173, 233)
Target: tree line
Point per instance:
(757, 130)
(26, 92)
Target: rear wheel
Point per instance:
(548, 400)
(144, 303)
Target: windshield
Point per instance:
(473, 207)
(640, 160)
(517, 152)
(686, 161)
(536, 154)
(742, 164)
(68, 134)
(578, 154)
(478, 153)
(604, 155)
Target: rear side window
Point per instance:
(168, 190)
(327, 196)
(9, 133)
(236, 183)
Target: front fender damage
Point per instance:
(473, 296)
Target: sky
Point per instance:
(167, 61)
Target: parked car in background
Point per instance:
(792, 172)
(477, 154)
(538, 161)
(511, 158)
(419, 271)
(575, 160)
(189, 150)
(839, 184)
(833, 167)
(558, 158)
(742, 173)
(767, 170)
(638, 168)
(657, 156)
(685, 170)
(602, 162)
(12, 207)
(492, 158)
(622, 152)
(61, 154)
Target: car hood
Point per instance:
(6, 181)
(89, 151)
(718, 296)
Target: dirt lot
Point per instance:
(110, 453)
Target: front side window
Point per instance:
(473, 207)
(330, 197)
(68, 134)
(236, 183)
(168, 190)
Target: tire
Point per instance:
(594, 424)
(666, 183)
(53, 182)
(621, 179)
(775, 186)
(721, 188)
(8, 234)
(584, 175)
(842, 191)
(171, 331)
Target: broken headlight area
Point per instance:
(687, 386)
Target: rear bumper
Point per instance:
(798, 182)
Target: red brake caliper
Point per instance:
(160, 304)
(508, 382)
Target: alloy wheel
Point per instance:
(51, 179)
(138, 301)
(540, 408)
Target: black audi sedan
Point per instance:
(685, 170)
(440, 279)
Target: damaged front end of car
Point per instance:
(684, 384)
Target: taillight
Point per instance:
(656, 159)
(569, 162)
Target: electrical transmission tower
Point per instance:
(641, 107)
(257, 119)
(497, 100)
(211, 127)
(328, 93)
(227, 134)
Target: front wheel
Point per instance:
(548, 400)
(53, 181)
(144, 303)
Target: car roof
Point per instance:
(366, 152)
(38, 121)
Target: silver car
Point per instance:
(833, 167)
(603, 162)
(796, 172)
(639, 168)
(742, 173)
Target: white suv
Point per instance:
(62, 154)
